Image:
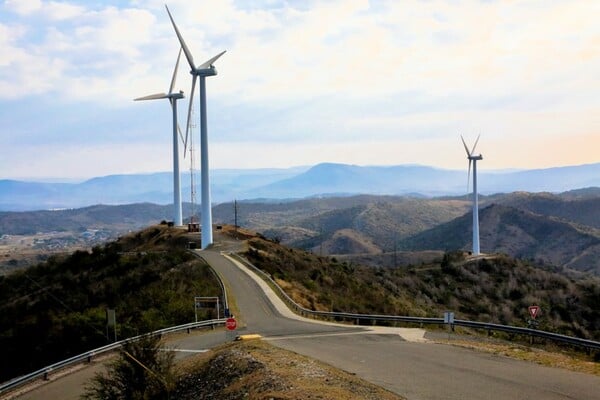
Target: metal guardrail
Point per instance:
(6, 386)
(585, 343)
(87, 356)
(218, 278)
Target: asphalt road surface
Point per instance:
(415, 370)
(396, 359)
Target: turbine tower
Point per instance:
(474, 158)
(173, 97)
(202, 71)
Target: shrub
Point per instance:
(142, 371)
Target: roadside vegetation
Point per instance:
(141, 371)
(57, 309)
(498, 289)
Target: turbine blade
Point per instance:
(181, 137)
(187, 126)
(473, 151)
(187, 52)
(469, 176)
(152, 97)
(464, 144)
(174, 78)
(178, 128)
(210, 62)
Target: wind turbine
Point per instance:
(173, 97)
(201, 71)
(474, 158)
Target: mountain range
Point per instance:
(325, 179)
(556, 229)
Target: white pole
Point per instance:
(207, 237)
(177, 218)
(475, 212)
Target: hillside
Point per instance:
(57, 309)
(117, 218)
(497, 289)
(521, 234)
(553, 228)
(307, 223)
(582, 208)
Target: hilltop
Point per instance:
(57, 309)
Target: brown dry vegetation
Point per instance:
(550, 358)
(497, 289)
(256, 370)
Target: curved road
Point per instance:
(388, 357)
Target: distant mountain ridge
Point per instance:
(326, 179)
(559, 229)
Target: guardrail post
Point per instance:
(189, 330)
(46, 378)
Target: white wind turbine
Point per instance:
(202, 71)
(173, 97)
(474, 158)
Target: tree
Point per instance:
(143, 371)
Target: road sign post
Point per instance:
(534, 311)
(111, 320)
(231, 325)
(449, 319)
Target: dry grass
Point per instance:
(547, 358)
(257, 370)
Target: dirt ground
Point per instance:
(256, 370)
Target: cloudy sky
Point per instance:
(360, 82)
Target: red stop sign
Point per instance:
(230, 324)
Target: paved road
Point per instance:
(435, 371)
(387, 357)
(411, 369)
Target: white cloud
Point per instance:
(24, 7)
(337, 71)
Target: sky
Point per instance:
(302, 82)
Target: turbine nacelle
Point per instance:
(211, 71)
